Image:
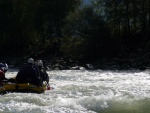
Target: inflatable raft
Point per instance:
(23, 88)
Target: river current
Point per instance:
(83, 91)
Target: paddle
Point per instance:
(48, 86)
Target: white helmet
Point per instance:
(30, 60)
(40, 63)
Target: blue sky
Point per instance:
(86, 1)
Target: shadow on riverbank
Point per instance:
(104, 64)
(60, 63)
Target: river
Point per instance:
(83, 91)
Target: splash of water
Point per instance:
(82, 91)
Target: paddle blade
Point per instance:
(48, 88)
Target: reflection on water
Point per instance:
(81, 91)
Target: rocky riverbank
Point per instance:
(60, 63)
(142, 63)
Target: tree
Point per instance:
(87, 34)
(32, 26)
(49, 21)
(5, 21)
(128, 20)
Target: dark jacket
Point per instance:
(43, 74)
(28, 74)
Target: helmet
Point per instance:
(40, 63)
(31, 60)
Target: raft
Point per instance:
(22, 88)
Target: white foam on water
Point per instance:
(82, 91)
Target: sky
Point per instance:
(86, 1)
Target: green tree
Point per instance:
(87, 34)
(5, 21)
(32, 27)
(128, 20)
(49, 21)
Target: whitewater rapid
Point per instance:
(83, 91)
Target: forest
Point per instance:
(104, 31)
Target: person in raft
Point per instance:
(3, 69)
(42, 71)
(28, 74)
